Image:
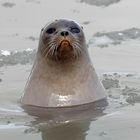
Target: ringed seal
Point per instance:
(62, 74)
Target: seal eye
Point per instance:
(51, 30)
(75, 30)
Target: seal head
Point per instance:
(62, 74)
(62, 40)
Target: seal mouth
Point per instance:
(64, 46)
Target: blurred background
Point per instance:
(113, 25)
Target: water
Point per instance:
(112, 31)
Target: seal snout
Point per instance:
(65, 43)
(64, 46)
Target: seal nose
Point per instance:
(64, 33)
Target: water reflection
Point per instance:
(69, 131)
(64, 123)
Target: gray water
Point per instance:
(112, 30)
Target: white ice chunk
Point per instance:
(5, 52)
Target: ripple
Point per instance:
(8, 4)
(11, 126)
(100, 2)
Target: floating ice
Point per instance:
(115, 37)
(5, 52)
(29, 50)
(101, 41)
(15, 57)
(120, 33)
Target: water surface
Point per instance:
(112, 32)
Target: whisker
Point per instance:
(53, 51)
(49, 51)
(51, 47)
(45, 50)
(74, 51)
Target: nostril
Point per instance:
(64, 33)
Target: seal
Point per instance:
(62, 74)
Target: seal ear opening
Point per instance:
(82, 27)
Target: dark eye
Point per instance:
(51, 30)
(75, 30)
